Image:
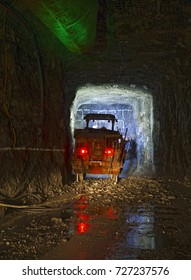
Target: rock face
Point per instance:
(33, 132)
(140, 43)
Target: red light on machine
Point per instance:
(109, 151)
(83, 151)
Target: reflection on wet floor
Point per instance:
(85, 217)
(147, 229)
(80, 230)
(141, 229)
(133, 230)
(140, 225)
(91, 231)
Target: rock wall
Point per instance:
(33, 142)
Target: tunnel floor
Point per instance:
(138, 218)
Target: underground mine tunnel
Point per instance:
(133, 109)
(62, 59)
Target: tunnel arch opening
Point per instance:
(133, 108)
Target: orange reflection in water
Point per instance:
(111, 213)
(82, 227)
(83, 218)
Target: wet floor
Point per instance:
(83, 229)
(105, 233)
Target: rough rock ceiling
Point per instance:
(79, 24)
(160, 20)
(72, 22)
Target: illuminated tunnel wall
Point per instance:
(134, 110)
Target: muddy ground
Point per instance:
(138, 218)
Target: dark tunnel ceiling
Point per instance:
(75, 23)
(78, 24)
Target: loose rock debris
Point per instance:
(31, 235)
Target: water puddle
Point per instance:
(147, 229)
(80, 230)
(140, 227)
(120, 235)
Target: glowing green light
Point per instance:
(73, 22)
